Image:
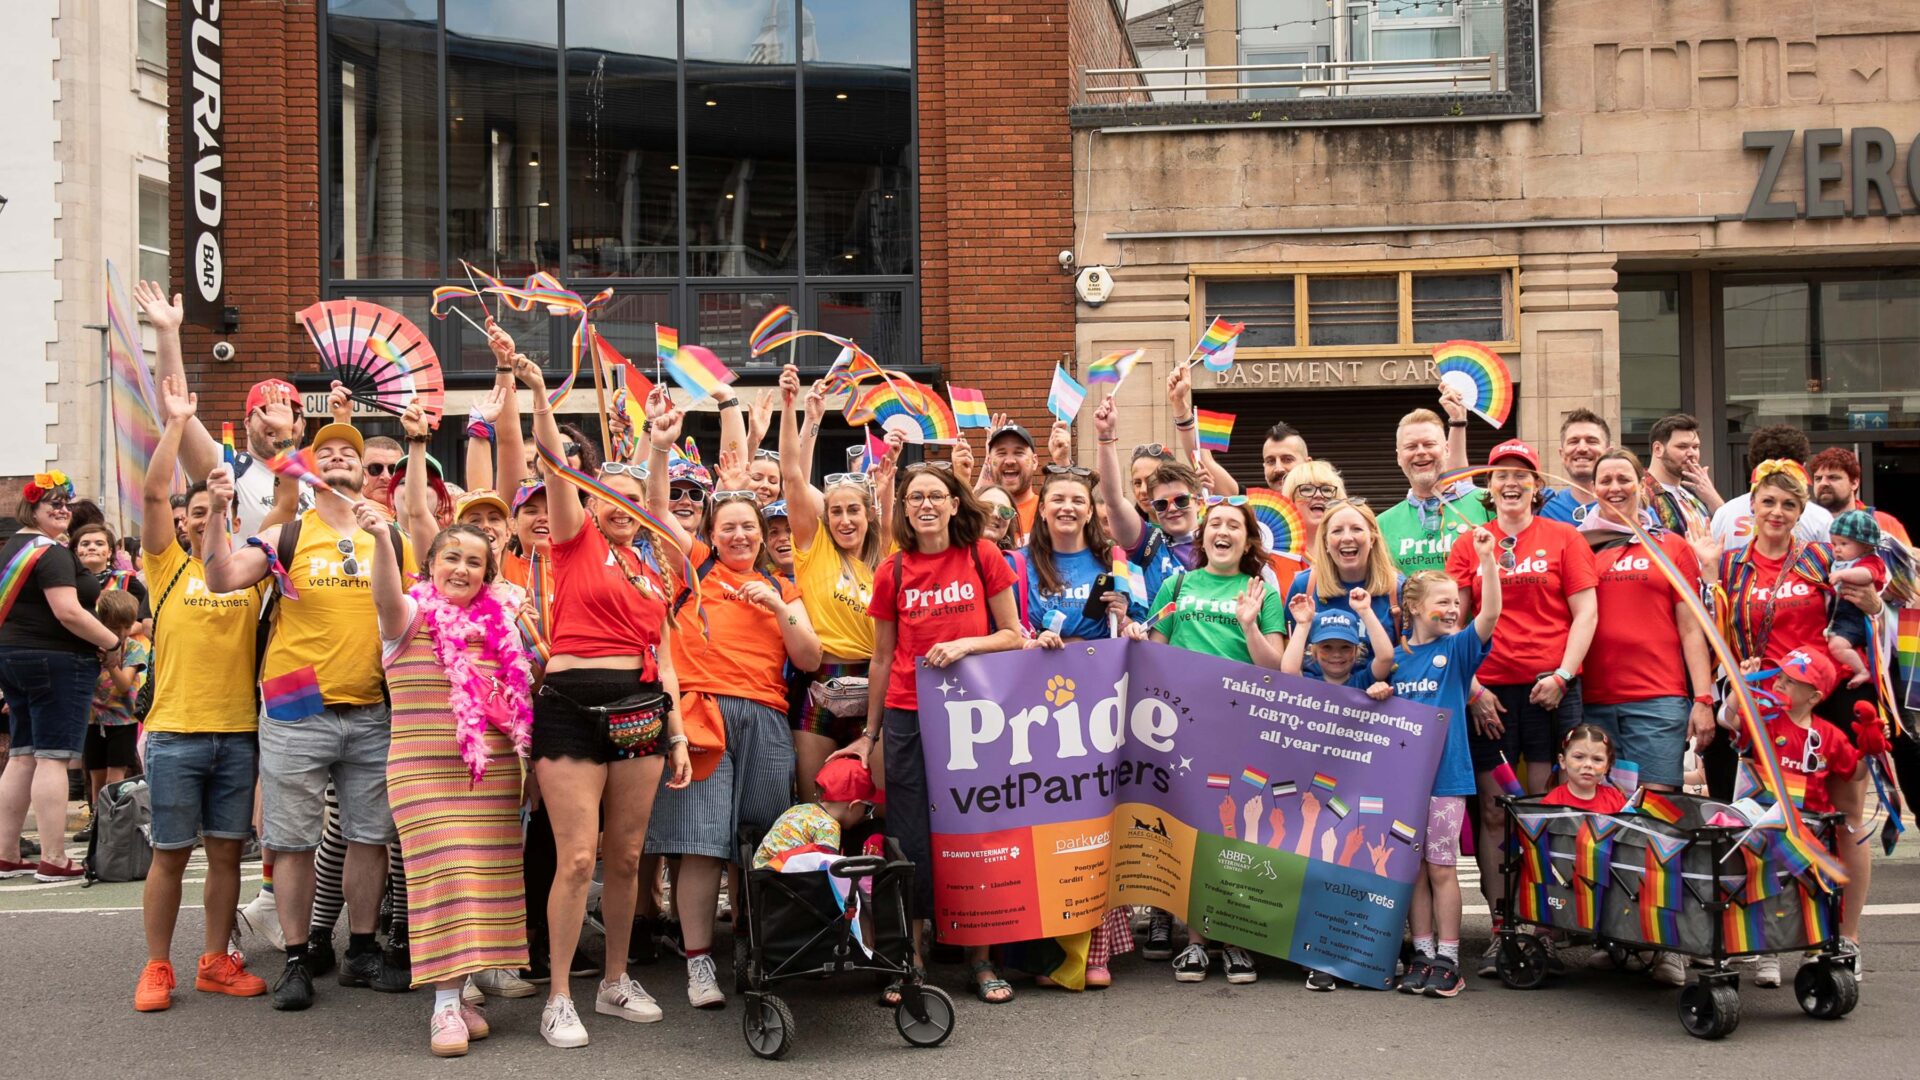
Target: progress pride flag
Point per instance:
(1278, 813)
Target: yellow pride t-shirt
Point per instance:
(332, 626)
(202, 648)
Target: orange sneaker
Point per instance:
(154, 993)
(225, 973)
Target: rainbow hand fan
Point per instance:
(1282, 531)
(1480, 376)
(378, 354)
(915, 411)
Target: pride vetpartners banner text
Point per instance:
(1278, 813)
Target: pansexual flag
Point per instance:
(1216, 429)
(1125, 576)
(1253, 776)
(1067, 395)
(969, 407)
(1113, 368)
(1372, 804)
(1218, 779)
(1401, 831)
(1324, 782)
(292, 696)
(698, 371)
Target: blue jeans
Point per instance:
(1652, 734)
(201, 784)
(49, 694)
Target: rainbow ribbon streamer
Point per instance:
(135, 403)
(558, 466)
(766, 327)
(540, 290)
(532, 616)
(14, 577)
(1592, 857)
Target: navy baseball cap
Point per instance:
(1332, 624)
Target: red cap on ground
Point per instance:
(257, 396)
(1812, 668)
(1514, 448)
(845, 780)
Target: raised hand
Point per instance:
(501, 344)
(1277, 824)
(530, 376)
(1180, 390)
(963, 460)
(494, 401)
(1252, 816)
(1378, 853)
(413, 422)
(998, 421)
(340, 403)
(1483, 542)
(1327, 843)
(815, 404)
(1060, 443)
(1707, 548)
(370, 520)
(276, 409)
(176, 401)
(1106, 420)
(789, 385)
(1247, 608)
(220, 489)
(165, 315)
(664, 419)
(1452, 403)
(732, 471)
(1227, 810)
(1301, 607)
(1359, 600)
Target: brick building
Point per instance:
(876, 164)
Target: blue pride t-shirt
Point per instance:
(1439, 674)
(1061, 611)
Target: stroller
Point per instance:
(793, 926)
(1632, 882)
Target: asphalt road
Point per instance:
(69, 957)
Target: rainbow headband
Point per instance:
(48, 483)
(1797, 836)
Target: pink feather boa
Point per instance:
(478, 699)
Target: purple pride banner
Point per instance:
(1278, 813)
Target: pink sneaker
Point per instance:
(475, 1020)
(449, 1033)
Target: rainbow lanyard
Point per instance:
(14, 578)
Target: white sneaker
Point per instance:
(560, 1025)
(501, 982)
(471, 994)
(703, 984)
(261, 917)
(626, 1000)
(1766, 971)
(1668, 970)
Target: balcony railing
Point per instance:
(1320, 78)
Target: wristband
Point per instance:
(1183, 425)
(730, 403)
(419, 439)
(1475, 696)
(479, 429)
(1109, 442)
(1456, 423)
(1566, 677)
(1703, 699)
(676, 740)
(283, 444)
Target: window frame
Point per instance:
(1199, 314)
(145, 63)
(142, 184)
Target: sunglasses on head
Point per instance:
(1178, 502)
(570, 449)
(838, 478)
(1080, 471)
(736, 496)
(766, 455)
(1152, 450)
(621, 468)
(1226, 500)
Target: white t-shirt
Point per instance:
(253, 494)
(1733, 523)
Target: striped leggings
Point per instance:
(329, 874)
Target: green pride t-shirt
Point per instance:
(1416, 547)
(1203, 618)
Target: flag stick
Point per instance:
(600, 394)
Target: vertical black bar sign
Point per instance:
(200, 172)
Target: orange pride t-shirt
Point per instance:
(740, 651)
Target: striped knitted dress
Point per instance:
(460, 840)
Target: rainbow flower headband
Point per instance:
(48, 483)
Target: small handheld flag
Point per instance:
(969, 407)
(1219, 338)
(1509, 783)
(292, 696)
(1401, 831)
(1218, 780)
(1324, 782)
(228, 453)
(666, 345)
(698, 371)
(1125, 576)
(1372, 804)
(1067, 395)
(1284, 788)
(1113, 368)
(1253, 776)
(299, 465)
(1338, 807)
(1216, 429)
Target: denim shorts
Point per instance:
(346, 745)
(751, 785)
(202, 785)
(49, 694)
(1652, 734)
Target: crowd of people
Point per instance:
(439, 708)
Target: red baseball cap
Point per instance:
(1513, 448)
(1812, 668)
(845, 780)
(257, 396)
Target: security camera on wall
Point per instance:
(1066, 260)
(224, 351)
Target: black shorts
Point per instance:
(1531, 732)
(111, 747)
(563, 730)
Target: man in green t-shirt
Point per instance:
(1421, 530)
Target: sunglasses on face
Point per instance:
(1004, 513)
(57, 502)
(571, 449)
(380, 468)
(685, 493)
(1178, 502)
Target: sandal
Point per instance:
(890, 997)
(983, 987)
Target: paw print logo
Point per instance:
(1059, 690)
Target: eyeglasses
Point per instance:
(1152, 450)
(1178, 502)
(766, 455)
(686, 493)
(350, 565)
(1080, 471)
(926, 498)
(1507, 544)
(621, 468)
(838, 478)
(1316, 491)
(380, 468)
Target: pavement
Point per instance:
(69, 956)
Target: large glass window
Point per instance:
(383, 172)
(1264, 306)
(151, 32)
(860, 205)
(1824, 353)
(623, 152)
(742, 149)
(1448, 307)
(875, 318)
(502, 135)
(1649, 354)
(1352, 311)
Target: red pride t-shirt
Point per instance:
(1799, 607)
(1551, 563)
(937, 598)
(1636, 644)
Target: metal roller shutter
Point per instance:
(1352, 429)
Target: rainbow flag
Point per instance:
(635, 388)
(698, 371)
(228, 453)
(1816, 919)
(969, 407)
(1372, 804)
(1658, 807)
(666, 345)
(1592, 855)
(766, 328)
(1906, 648)
(1215, 348)
(1216, 430)
(1659, 880)
(1338, 807)
(1113, 368)
(1219, 780)
(1066, 396)
(1659, 902)
(135, 403)
(1324, 782)
(1744, 927)
(1530, 895)
(1402, 831)
(1253, 776)
(292, 696)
